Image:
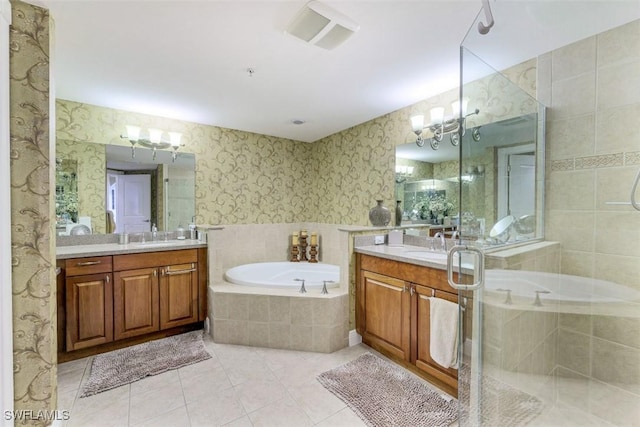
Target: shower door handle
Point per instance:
(459, 249)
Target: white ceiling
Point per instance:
(188, 59)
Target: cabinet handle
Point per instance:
(173, 273)
(107, 279)
(155, 273)
(87, 263)
(412, 289)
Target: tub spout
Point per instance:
(302, 288)
(537, 302)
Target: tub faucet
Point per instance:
(302, 288)
(455, 235)
(324, 286)
(443, 241)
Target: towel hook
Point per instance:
(482, 28)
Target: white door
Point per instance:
(134, 204)
(522, 184)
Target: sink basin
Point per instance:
(428, 255)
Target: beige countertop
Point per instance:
(75, 251)
(417, 255)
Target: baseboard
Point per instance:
(354, 338)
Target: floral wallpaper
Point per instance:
(33, 259)
(91, 179)
(241, 177)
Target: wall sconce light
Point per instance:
(403, 172)
(441, 125)
(153, 140)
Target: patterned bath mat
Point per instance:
(127, 365)
(384, 394)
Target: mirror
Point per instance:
(117, 193)
(498, 180)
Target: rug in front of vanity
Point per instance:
(383, 394)
(127, 365)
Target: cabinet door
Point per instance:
(385, 313)
(135, 302)
(421, 343)
(89, 310)
(178, 295)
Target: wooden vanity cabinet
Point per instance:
(89, 302)
(393, 313)
(135, 302)
(385, 320)
(178, 295)
(129, 298)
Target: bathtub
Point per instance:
(557, 287)
(282, 275)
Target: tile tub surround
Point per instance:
(309, 322)
(276, 318)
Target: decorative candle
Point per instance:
(294, 239)
(314, 238)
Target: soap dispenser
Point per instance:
(192, 229)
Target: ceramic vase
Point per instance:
(379, 215)
(398, 213)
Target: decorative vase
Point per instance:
(379, 215)
(398, 213)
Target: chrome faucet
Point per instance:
(302, 288)
(443, 241)
(455, 235)
(154, 233)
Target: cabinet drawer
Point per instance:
(154, 259)
(89, 265)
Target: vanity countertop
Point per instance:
(76, 251)
(406, 253)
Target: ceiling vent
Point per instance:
(320, 25)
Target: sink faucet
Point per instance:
(443, 241)
(154, 233)
(455, 235)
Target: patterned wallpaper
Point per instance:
(34, 306)
(241, 177)
(91, 179)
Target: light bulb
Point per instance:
(174, 138)
(133, 133)
(155, 135)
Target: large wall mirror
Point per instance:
(104, 189)
(497, 182)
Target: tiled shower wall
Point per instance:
(592, 89)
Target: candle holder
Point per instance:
(303, 247)
(313, 252)
(294, 253)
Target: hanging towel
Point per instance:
(444, 332)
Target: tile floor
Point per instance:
(238, 386)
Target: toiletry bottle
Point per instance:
(180, 232)
(154, 232)
(192, 229)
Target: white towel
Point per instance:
(444, 332)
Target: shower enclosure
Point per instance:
(546, 168)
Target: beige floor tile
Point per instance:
(316, 401)
(256, 394)
(344, 418)
(145, 406)
(154, 382)
(249, 371)
(108, 409)
(69, 380)
(240, 422)
(176, 418)
(283, 413)
(197, 369)
(206, 384)
(74, 365)
(220, 407)
(101, 401)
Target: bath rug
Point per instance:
(383, 394)
(127, 365)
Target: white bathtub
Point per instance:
(282, 275)
(557, 287)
